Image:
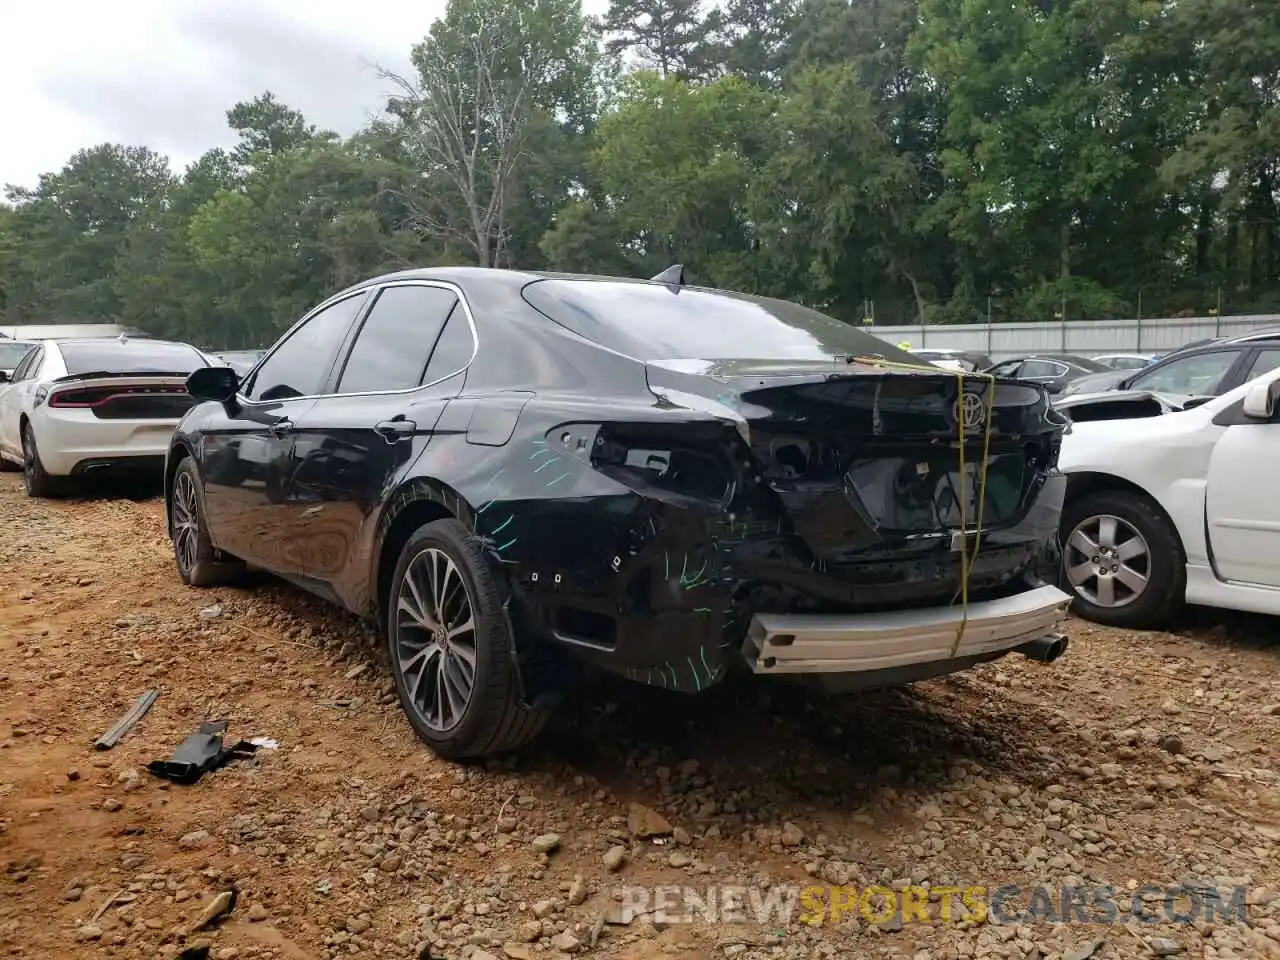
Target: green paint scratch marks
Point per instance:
(505, 523)
(544, 464)
(507, 544)
(552, 483)
(694, 581)
(697, 681)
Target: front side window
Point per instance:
(299, 366)
(1201, 374)
(396, 339)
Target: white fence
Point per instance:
(1002, 340)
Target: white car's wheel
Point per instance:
(35, 479)
(1122, 560)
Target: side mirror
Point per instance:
(1260, 400)
(213, 383)
(4, 376)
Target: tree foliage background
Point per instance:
(944, 160)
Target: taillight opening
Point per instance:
(642, 457)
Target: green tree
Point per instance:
(677, 168)
(69, 228)
(671, 37)
(492, 78)
(267, 126)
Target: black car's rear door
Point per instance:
(246, 456)
(400, 368)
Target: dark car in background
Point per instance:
(1210, 369)
(1053, 372)
(521, 476)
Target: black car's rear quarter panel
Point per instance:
(657, 578)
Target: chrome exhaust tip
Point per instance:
(1044, 649)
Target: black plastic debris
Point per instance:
(201, 752)
(127, 722)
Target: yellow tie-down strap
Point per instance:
(967, 559)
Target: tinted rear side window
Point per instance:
(652, 322)
(392, 348)
(453, 350)
(132, 356)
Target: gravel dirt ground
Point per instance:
(1139, 758)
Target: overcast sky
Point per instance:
(162, 73)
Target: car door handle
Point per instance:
(282, 428)
(395, 429)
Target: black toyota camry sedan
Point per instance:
(523, 478)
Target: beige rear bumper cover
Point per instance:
(819, 643)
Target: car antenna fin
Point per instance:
(673, 275)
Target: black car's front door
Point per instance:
(392, 382)
(249, 455)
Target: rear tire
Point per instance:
(35, 479)
(446, 631)
(199, 563)
(8, 466)
(1113, 542)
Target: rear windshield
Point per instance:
(11, 354)
(652, 322)
(132, 356)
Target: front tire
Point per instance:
(451, 648)
(199, 564)
(36, 481)
(1122, 560)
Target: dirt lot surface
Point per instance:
(1136, 759)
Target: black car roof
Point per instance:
(469, 276)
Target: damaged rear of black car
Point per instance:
(657, 480)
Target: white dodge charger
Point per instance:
(75, 406)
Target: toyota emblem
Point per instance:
(971, 411)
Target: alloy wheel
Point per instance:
(435, 635)
(28, 460)
(1107, 561)
(186, 522)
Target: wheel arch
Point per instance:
(1089, 482)
(417, 502)
(179, 450)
